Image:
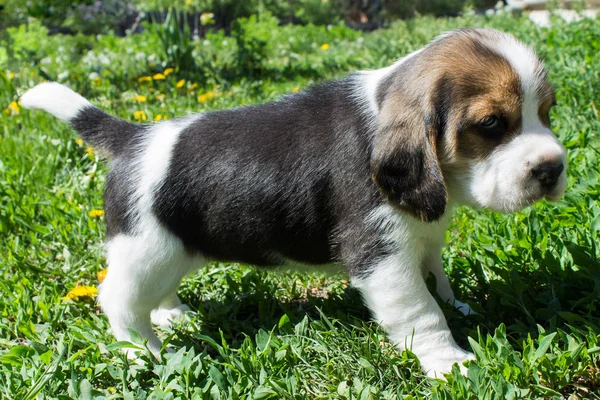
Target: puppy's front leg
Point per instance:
(433, 264)
(395, 291)
(169, 310)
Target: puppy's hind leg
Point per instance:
(142, 271)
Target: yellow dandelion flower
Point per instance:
(96, 213)
(324, 46)
(13, 108)
(89, 151)
(180, 84)
(140, 99)
(202, 98)
(158, 77)
(211, 95)
(79, 142)
(158, 117)
(295, 90)
(160, 96)
(101, 275)
(81, 291)
(11, 75)
(140, 116)
(112, 390)
(168, 71)
(194, 86)
(143, 79)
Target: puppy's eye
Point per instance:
(489, 122)
(491, 126)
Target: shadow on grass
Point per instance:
(244, 310)
(520, 299)
(239, 315)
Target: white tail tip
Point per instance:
(56, 99)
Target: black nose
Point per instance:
(547, 173)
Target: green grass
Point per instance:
(534, 276)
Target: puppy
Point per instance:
(361, 172)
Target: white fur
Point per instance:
(367, 83)
(396, 293)
(145, 269)
(503, 182)
(520, 57)
(154, 157)
(56, 99)
(367, 93)
(169, 310)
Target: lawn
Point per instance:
(534, 276)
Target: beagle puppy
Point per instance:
(361, 172)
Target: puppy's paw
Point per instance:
(166, 317)
(437, 367)
(464, 308)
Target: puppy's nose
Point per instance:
(548, 172)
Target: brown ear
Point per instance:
(404, 157)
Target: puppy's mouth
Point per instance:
(555, 194)
(553, 197)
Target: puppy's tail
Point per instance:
(107, 134)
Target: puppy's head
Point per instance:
(466, 118)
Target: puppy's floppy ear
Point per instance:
(404, 157)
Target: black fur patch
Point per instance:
(408, 181)
(283, 180)
(104, 132)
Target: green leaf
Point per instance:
(217, 377)
(342, 388)
(46, 357)
(263, 339)
(594, 350)
(544, 344)
(263, 392)
(367, 365)
(85, 388)
(283, 321)
(595, 224)
(123, 345)
(477, 349)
